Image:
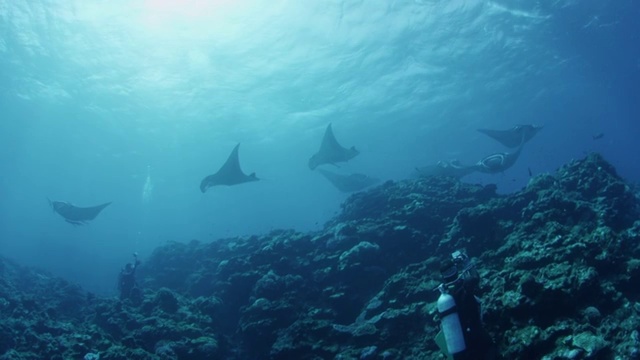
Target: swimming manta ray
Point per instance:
(511, 138)
(451, 168)
(229, 174)
(500, 162)
(76, 215)
(349, 183)
(331, 152)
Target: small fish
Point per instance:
(597, 136)
(530, 173)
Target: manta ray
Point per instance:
(511, 138)
(451, 168)
(349, 183)
(76, 215)
(229, 174)
(500, 162)
(331, 152)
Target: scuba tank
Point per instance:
(450, 323)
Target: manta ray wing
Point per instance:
(229, 174)
(77, 215)
(500, 162)
(329, 142)
(348, 183)
(450, 168)
(511, 138)
(331, 151)
(502, 136)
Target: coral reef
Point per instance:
(559, 264)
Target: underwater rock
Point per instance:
(272, 286)
(588, 342)
(362, 254)
(592, 315)
(558, 262)
(166, 301)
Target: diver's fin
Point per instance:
(442, 345)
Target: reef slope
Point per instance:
(559, 264)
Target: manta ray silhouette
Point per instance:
(450, 168)
(229, 174)
(349, 183)
(512, 138)
(76, 215)
(500, 162)
(331, 152)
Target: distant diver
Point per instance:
(229, 174)
(512, 138)
(331, 152)
(597, 136)
(127, 284)
(76, 215)
(349, 183)
(449, 168)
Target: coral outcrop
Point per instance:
(559, 264)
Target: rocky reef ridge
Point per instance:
(559, 264)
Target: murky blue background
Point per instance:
(136, 101)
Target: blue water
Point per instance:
(136, 101)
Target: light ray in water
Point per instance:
(147, 189)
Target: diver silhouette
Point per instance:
(127, 284)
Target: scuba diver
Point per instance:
(127, 284)
(462, 335)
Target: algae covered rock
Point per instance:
(558, 265)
